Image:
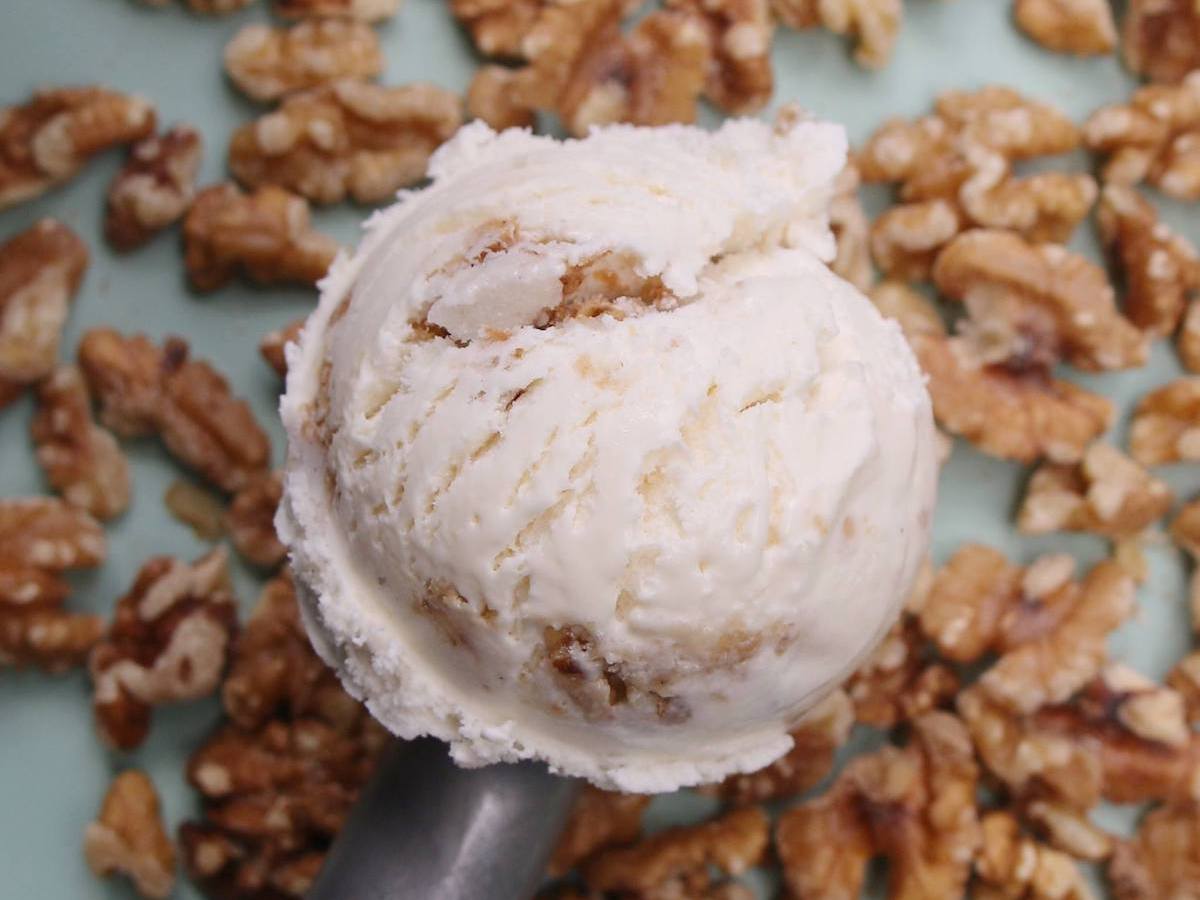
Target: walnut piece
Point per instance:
(129, 837)
(40, 271)
(740, 77)
(250, 521)
(1187, 341)
(154, 188)
(900, 681)
(360, 10)
(1019, 866)
(1155, 138)
(1161, 38)
(490, 98)
(268, 235)
(1166, 424)
(914, 805)
(497, 27)
(82, 461)
(267, 63)
(906, 239)
(1080, 27)
(46, 141)
(143, 389)
(197, 507)
(874, 24)
(1163, 858)
(346, 138)
(1184, 679)
(39, 538)
(852, 230)
(273, 343)
(167, 643)
(733, 843)
(599, 820)
(1107, 493)
(1185, 530)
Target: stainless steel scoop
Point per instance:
(425, 829)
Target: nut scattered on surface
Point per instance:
(273, 343)
(490, 98)
(1107, 493)
(1185, 680)
(497, 27)
(1155, 138)
(1161, 269)
(1161, 38)
(852, 231)
(40, 271)
(732, 843)
(1018, 866)
(47, 140)
(154, 188)
(266, 63)
(1166, 424)
(360, 10)
(599, 819)
(906, 239)
(197, 507)
(128, 837)
(740, 77)
(347, 138)
(874, 24)
(250, 521)
(900, 680)
(144, 389)
(267, 234)
(39, 538)
(914, 805)
(82, 461)
(1080, 27)
(167, 643)
(1163, 858)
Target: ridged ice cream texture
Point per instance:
(593, 460)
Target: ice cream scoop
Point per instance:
(593, 460)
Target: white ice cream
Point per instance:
(593, 460)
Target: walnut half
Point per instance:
(128, 837)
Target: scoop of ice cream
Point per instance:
(592, 459)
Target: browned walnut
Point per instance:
(599, 820)
(852, 231)
(1166, 424)
(267, 234)
(1155, 138)
(874, 24)
(196, 507)
(267, 63)
(1185, 679)
(740, 78)
(498, 27)
(154, 188)
(914, 805)
(1080, 27)
(490, 98)
(40, 271)
(47, 140)
(167, 643)
(39, 538)
(361, 10)
(346, 138)
(128, 837)
(1163, 858)
(900, 680)
(733, 843)
(1161, 38)
(250, 521)
(125, 375)
(1185, 530)
(1019, 867)
(1187, 341)
(906, 239)
(82, 461)
(273, 343)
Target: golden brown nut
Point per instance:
(250, 521)
(1069, 830)
(1081, 27)
(906, 239)
(346, 138)
(273, 343)
(1007, 122)
(1187, 341)
(900, 681)
(490, 97)
(733, 843)
(851, 230)
(196, 507)
(1003, 270)
(1154, 138)
(1161, 38)
(267, 63)
(82, 461)
(128, 836)
(922, 156)
(154, 188)
(1107, 493)
(1161, 268)
(267, 234)
(125, 377)
(46, 141)
(740, 76)
(911, 309)
(361, 10)
(968, 600)
(1166, 424)
(167, 643)
(46, 533)
(498, 27)
(1163, 858)
(874, 24)
(915, 805)
(1018, 866)
(40, 271)
(599, 820)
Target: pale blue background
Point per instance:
(52, 770)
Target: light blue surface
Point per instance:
(52, 770)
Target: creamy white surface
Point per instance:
(730, 493)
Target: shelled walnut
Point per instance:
(154, 188)
(46, 141)
(128, 836)
(1161, 38)
(359, 10)
(250, 521)
(740, 78)
(1163, 858)
(900, 680)
(346, 138)
(1166, 424)
(267, 234)
(874, 24)
(598, 820)
(1015, 865)
(40, 271)
(168, 643)
(1079, 27)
